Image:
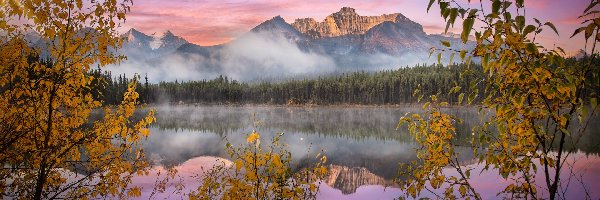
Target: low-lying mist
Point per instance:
(250, 57)
(258, 56)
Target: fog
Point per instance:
(381, 61)
(350, 136)
(257, 56)
(343, 134)
(354, 137)
(252, 56)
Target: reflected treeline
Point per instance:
(349, 122)
(352, 125)
(585, 136)
(353, 137)
(362, 142)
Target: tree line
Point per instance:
(383, 87)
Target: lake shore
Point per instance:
(402, 105)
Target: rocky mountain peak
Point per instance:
(274, 23)
(164, 35)
(133, 35)
(277, 27)
(278, 18)
(347, 11)
(168, 33)
(132, 30)
(140, 45)
(166, 40)
(344, 22)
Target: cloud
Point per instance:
(258, 54)
(171, 68)
(253, 56)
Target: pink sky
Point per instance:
(211, 22)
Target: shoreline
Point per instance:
(402, 105)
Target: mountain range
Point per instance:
(344, 41)
(140, 45)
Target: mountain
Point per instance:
(343, 42)
(167, 42)
(136, 39)
(375, 42)
(344, 22)
(277, 27)
(141, 46)
(396, 38)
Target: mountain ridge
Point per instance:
(344, 22)
(275, 48)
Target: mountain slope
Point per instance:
(396, 38)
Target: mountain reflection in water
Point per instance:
(363, 147)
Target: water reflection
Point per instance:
(362, 144)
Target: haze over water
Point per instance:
(363, 146)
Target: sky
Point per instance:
(212, 22)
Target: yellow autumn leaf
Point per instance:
(145, 132)
(238, 164)
(252, 137)
(463, 190)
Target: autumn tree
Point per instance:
(260, 171)
(49, 147)
(535, 98)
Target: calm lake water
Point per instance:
(362, 144)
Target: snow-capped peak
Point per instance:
(160, 39)
(157, 39)
(130, 35)
(156, 43)
(135, 35)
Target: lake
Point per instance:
(362, 144)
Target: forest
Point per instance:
(372, 88)
(388, 87)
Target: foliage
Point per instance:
(49, 149)
(259, 173)
(536, 99)
(432, 131)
